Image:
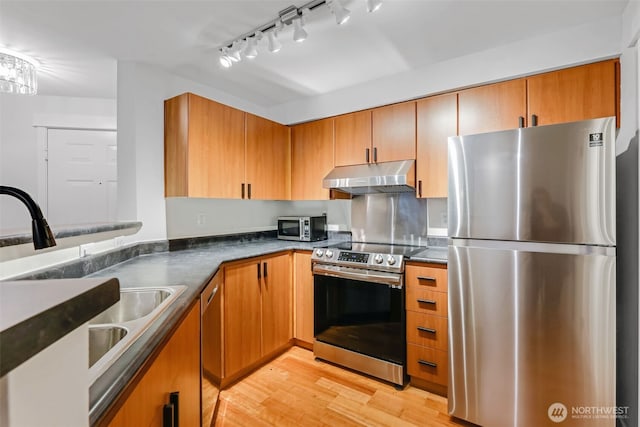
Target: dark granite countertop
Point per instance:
(190, 267)
(436, 255)
(36, 313)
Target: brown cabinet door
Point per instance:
(578, 93)
(242, 316)
(353, 138)
(437, 119)
(394, 132)
(276, 302)
(491, 108)
(311, 159)
(177, 368)
(304, 296)
(268, 159)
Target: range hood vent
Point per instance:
(387, 177)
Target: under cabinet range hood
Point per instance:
(386, 177)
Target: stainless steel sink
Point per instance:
(103, 338)
(114, 330)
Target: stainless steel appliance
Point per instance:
(302, 228)
(210, 347)
(384, 177)
(359, 316)
(532, 276)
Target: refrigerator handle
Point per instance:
(534, 120)
(520, 122)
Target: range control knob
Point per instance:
(391, 260)
(378, 259)
(329, 253)
(319, 253)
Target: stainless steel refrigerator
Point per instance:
(532, 276)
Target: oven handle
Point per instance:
(392, 280)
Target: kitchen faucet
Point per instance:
(42, 235)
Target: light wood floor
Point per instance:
(297, 390)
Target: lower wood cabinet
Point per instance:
(303, 291)
(427, 334)
(257, 317)
(175, 369)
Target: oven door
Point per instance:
(361, 311)
(289, 228)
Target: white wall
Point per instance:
(18, 142)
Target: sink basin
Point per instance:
(114, 330)
(133, 304)
(103, 338)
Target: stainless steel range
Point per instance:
(359, 312)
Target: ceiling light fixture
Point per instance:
(247, 44)
(373, 5)
(17, 73)
(341, 13)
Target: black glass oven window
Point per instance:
(289, 228)
(364, 317)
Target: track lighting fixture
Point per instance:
(341, 13)
(247, 44)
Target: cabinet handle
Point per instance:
(243, 190)
(534, 120)
(427, 278)
(265, 269)
(259, 272)
(375, 154)
(167, 415)
(426, 363)
(423, 329)
(420, 188)
(427, 301)
(366, 155)
(174, 399)
(520, 122)
(248, 191)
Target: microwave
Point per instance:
(302, 228)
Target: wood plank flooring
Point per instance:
(296, 390)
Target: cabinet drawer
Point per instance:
(432, 278)
(427, 330)
(427, 363)
(427, 302)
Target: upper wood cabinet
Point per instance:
(394, 132)
(353, 138)
(437, 119)
(268, 160)
(578, 93)
(311, 159)
(204, 148)
(493, 107)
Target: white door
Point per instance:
(82, 176)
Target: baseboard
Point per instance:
(232, 379)
(303, 344)
(429, 386)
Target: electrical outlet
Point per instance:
(201, 219)
(444, 218)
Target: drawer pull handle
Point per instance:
(427, 278)
(174, 399)
(426, 363)
(427, 301)
(423, 329)
(167, 415)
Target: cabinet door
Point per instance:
(303, 279)
(216, 149)
(578, 93)
(268, 159)
(311, 159)
(276, 302)
(177, 368)
(353, 138)
(242, 316)
(437, 119)
(491, 108)
(394, 132)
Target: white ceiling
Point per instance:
(79, 42)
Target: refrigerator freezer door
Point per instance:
(547, 184)
(530, 329)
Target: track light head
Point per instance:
(373, 5)
(341, 13)
(234, 52)
(225, 59)
(251, 49)
(299, 34)
(274, 44)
